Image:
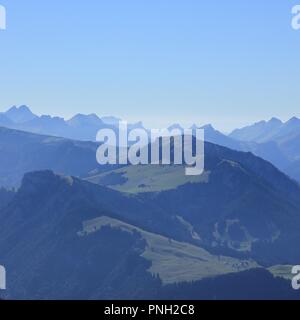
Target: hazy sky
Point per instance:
(162, 61)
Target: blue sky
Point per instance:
(163, 61)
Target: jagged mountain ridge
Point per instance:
(80, 127)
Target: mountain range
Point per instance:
(237, 204)
(273, 140)
(71, 229)
(60, 233)
(272, 130)
(64, 238)
(79, 127)
(285, 135)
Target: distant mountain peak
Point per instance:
(86, 116)
(293, 120)
(275, 120)
(20, 114)
(208, 127)
(22, 108)
(259, 132)
(83, 119)
(93, 116)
